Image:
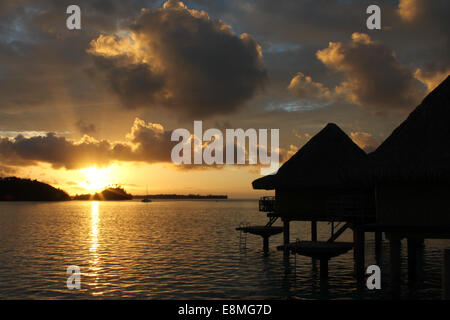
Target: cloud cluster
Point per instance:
(423, 11)
(146, 142)
(86, 128)
(55, 150)
(433, 15)
(180, 59)
(305, 88)
(431, 78)
(372, 76)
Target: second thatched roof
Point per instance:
(419, 149)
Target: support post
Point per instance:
(420, 257)
(395, 262)
(266, 244)
(413, 245)
(359, 252)
(378, 246)
(314, 238)
(286, 235)
(323, 269)
(378, 241)
(446, 275)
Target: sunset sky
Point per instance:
(82, 109)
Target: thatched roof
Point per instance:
(327, 160)
(419, 149)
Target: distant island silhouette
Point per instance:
(183, 196)
(17, 189)
(110, 193)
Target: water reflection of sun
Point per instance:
(94, 227)
(94, 260)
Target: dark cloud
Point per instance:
(57, 151)
(146, 142)
(152, 143)
(305, 88)
(43, 64)
(86, 128)
(134, 83)
(416, 30)
(420, 15)
(182, 60)
(372, 77)
(423, 12)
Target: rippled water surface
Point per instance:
(175, 250)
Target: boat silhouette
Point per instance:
(146, 199)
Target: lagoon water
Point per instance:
(176, 250)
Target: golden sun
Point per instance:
(95, 179)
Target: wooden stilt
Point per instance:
(286, 236)
(420, 258)
(359, 253)
(395, 262)
(324, 268)
(314, 238)
(446, 276)
(413, 246)
(266, 244)
(378, 246)
(378, 241)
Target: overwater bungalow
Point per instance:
(326, 180)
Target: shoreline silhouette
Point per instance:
(18, 189)
(21, 189)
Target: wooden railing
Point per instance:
(267, 204)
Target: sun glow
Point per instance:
(94, 261)
(96, 179)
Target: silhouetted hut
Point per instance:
(325, 180)
(412, 166)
